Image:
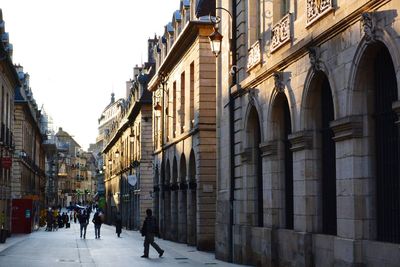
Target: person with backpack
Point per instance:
(149, 230)
(83, 219)
(97, 220)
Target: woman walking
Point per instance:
(118, 224)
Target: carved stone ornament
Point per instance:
(315, 58)
(254, 56)
(279, 83)
(316, 9)
(280, 33)
(368, 26)
(252, 97)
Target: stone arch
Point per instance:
(182, 200)
(318, 111)
(375, 97)
(365, 50)
(253, 103)
(182, 169)
(281, 169)
(174, 200)
(313, 79)
(253, 180)
(192, 201)
(167, 201)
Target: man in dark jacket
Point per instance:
(118, 224)
(97, 220)
(149, 230)
(83, 219)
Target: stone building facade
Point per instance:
(68, 151)
(8, 81)
(128, 154)
(28, 175)
(184, 130)
(313, 153)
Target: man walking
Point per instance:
(149, 230)
(97, 220)
(83, 219)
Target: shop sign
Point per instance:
(6, 162)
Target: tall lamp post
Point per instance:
(216, 47)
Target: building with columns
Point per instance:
(128, 152)
(184, 130)
(309, 175)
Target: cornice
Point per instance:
(184, 41)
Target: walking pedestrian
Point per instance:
(149, 230)
(118, 224)
(97, 224)
(83, 221)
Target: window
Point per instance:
(182, 109)
(192, 95)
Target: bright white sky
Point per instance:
(78, 51)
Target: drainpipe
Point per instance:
(233, 49)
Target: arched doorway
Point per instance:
(192, 202)
(320, 115)
(167, 201)
(174, 201)
(254, 170)
(182, 228)
(281, 126)
(386, 148)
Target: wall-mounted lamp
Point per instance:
(117, 154)
(131, 137)
(215, 42)
(109, 161)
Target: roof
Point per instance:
(205, 8)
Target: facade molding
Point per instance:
(347, 128)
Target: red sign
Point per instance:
(6, 162)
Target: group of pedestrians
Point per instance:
(55, 219)
(84, 217)
(149, 228)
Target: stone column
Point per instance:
(353, 187)
(174, 211)
(182, 211)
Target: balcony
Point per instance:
(254, 56)
(316, 9)
(281, 33)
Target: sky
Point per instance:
(77, 52)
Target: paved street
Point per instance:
(65, 248)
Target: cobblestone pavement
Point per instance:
(65, 248)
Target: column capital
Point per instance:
(347, 127)
(301, 140)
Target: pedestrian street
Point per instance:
(65, 248)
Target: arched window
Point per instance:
(387, 149)
(328, 161)
(255, 188)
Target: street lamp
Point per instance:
(215, 42)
